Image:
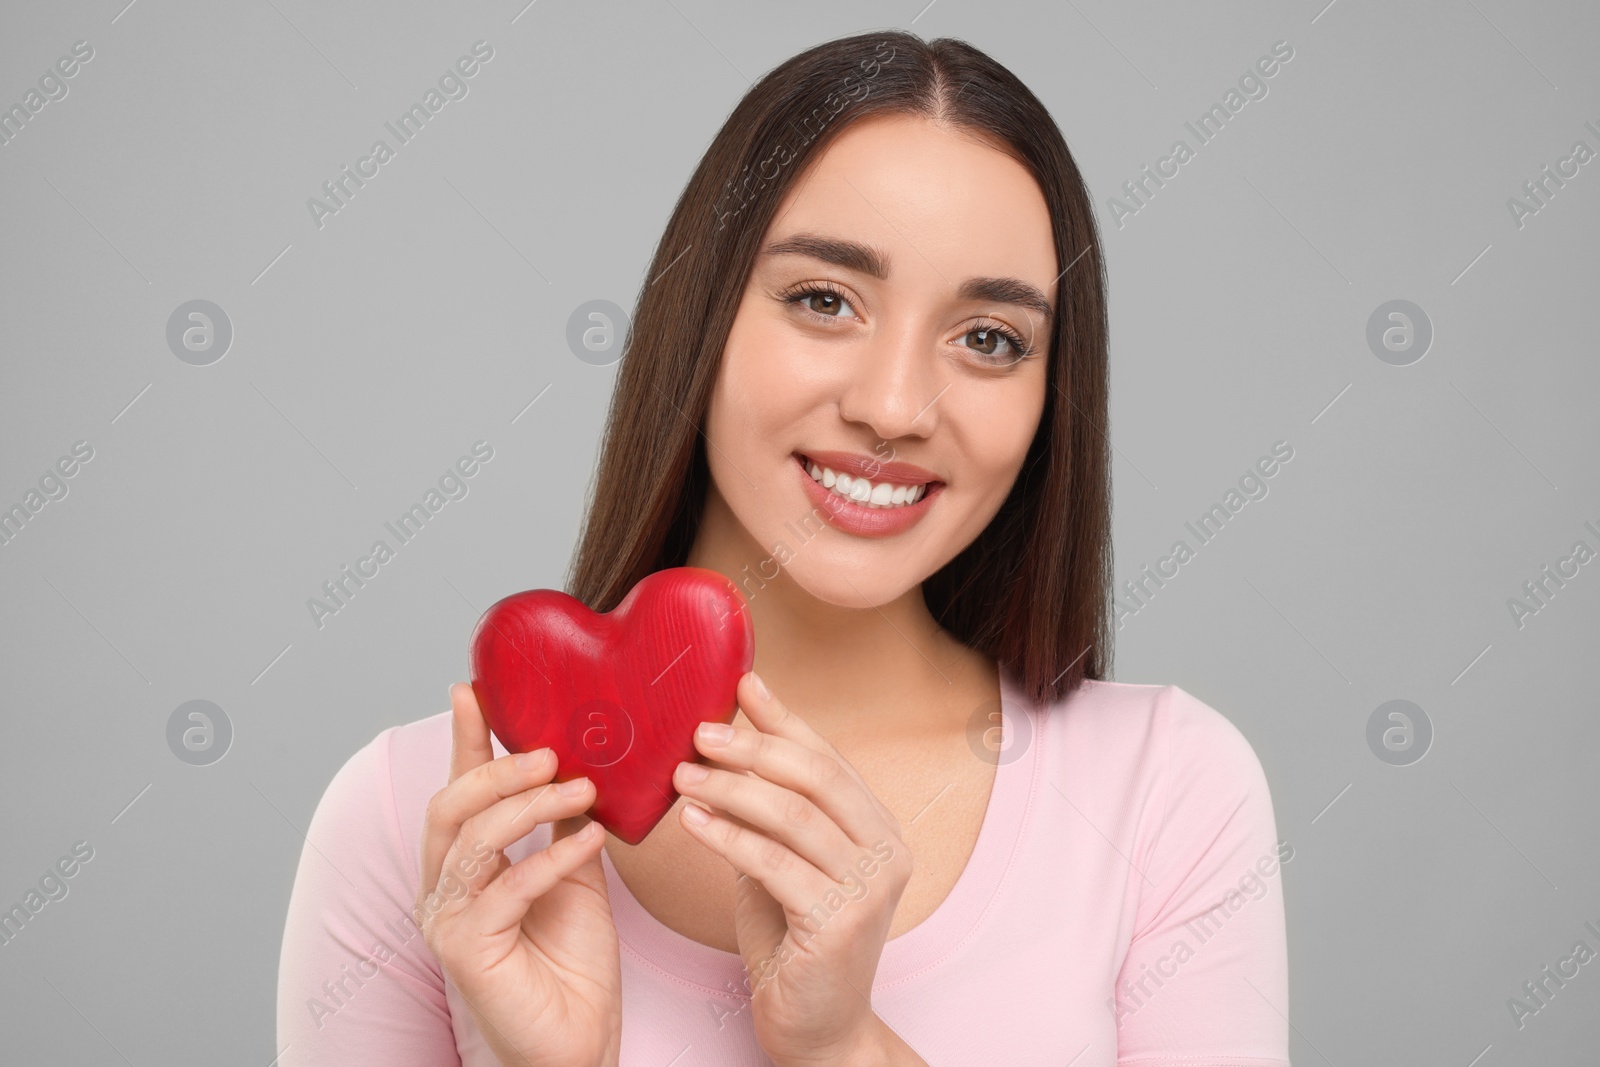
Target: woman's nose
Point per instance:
(894, 384)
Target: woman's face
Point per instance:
(874, 325)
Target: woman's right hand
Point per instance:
(531, 945)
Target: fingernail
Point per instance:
(572, 788)
(761, 687)
(693, 772)
(716, 733)
(533, 761)
(696, 814)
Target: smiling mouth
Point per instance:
(866, 492)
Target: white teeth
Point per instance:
(865, 492)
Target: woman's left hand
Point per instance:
(823, 866)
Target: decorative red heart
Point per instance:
(617, 696)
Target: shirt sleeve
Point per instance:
(1205, 979)
(357, 984)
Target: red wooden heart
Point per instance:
(618, 695)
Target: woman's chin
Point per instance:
(856, 587)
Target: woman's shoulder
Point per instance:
(350, 914)
(1193, 782)
(1159, 734)
(1149, 710)
(380, 794)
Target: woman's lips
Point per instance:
(862, 521)
(873, 468)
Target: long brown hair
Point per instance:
(1033, 590)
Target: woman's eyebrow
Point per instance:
(853, 255)
(836, 250)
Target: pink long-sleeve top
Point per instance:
(1123, 905)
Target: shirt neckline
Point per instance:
(687, 961)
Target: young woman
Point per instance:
(867, 382)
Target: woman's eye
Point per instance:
(995, 341)
(826, 303)
(996, 345)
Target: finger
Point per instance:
(783, 813)
(472, 792)
(772, 716)
(477, 854)
(822, 777)
(469, 748)
(761, 923)
(469, 732)
(790, 879)
(510, 820)
(505, 901)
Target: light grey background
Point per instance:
(369, 354)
